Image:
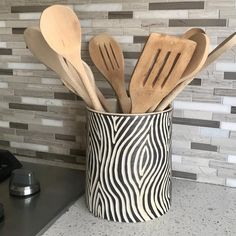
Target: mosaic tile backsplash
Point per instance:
(40, 119)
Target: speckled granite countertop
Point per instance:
(197, 209)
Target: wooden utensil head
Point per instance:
(61, 29)
(160, 66)
(108, 57)
(199, 56)
(40, 49)
(189, 33)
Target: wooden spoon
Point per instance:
(40, 49)
(61, 29)
(161, 65)
(108, 58)
(189, 33)
(215, 54)
(89, 72)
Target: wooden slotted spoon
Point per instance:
(216, 53)
(160, 66)
(61, 29)
(108, 58)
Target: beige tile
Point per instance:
(222, 4)
(205, 14)
(168, 14)
(228, 13)
(135, 6)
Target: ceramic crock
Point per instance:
(128, 165)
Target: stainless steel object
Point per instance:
(31, 216)
(23, 183)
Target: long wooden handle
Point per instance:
(78, 65)
(99, 93)
(220, 49)
(215, 54)
(70, 78)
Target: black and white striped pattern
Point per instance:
(128, 169)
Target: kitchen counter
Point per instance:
(197, 209)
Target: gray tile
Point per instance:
(196, 82)
(4, 143)
(108, 92)
(225, 92)
(65, 96)
(230, 75)
(77, 152)
(7, 130)
(18, 30)
(131, 55)
(27, 107)
(196, 122)
(53, 129)
(197, 22)
(92, 15)
(6, 72)
(23, 9)
(23, 92)
(56, 157)
(233, 110)
(176, 5)
(140, 39)
(65, 137)
(204, 147)
(5, 51)
(185, 175)
(25, 152)
(222, 164)
(226, 173)
(18, 125)
(120, 15)
(35, 134)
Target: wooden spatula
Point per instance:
(61, 29)
(107, 56)
(194, 66)
(215, 54)
(198, 58)
(161, 65)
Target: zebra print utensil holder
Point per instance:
(128, 165)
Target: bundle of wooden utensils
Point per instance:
(166, 66)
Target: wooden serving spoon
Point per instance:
(61, 29)
(189, 33)
(40, 49)
(160, 66)
(107, 56)
(215, 54)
